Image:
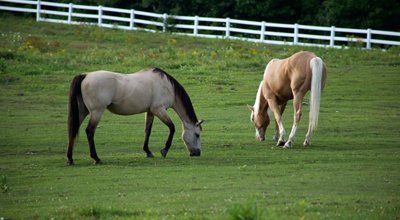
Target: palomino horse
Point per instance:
(152, 91)
(283, 80)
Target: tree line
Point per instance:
(375, 14)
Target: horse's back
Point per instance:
(276, 80)
(301, 62)
(98, 88)
(282, 76)
(125, 93)
(301, 68)
(298, 63)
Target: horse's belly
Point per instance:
(125, 108)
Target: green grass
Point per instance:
(351, 171)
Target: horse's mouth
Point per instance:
(195, 153)
(259, 138)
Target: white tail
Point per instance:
(316, 68)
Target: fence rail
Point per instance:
(254, 31)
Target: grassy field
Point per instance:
(351, 171)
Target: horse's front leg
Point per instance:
(278, 120)
(149, 124)
(165, 150)
(276, 135)
(161, 113)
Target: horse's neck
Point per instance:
(260, 103)
(181, 112)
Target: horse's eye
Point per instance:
(197, 135)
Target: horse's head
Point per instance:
(261, 122)
(191, 137)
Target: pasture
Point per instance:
(351, 170)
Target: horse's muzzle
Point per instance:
(195, 153)
(259, 138)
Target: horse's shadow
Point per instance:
(213, 158)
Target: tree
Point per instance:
(374, 14)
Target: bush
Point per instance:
(247, 211)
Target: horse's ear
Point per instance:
(199, 122)
(250, 107)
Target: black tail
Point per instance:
(75, 96)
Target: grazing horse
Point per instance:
(152, 91)
(286, 79)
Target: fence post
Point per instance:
(70, 8)
(227, 26)
(196, 24)
(369, 38)
(132, 22)
(296, 34)
(99, 22)
(262, 31)
(38, 11)
(332, 38)
(165, 16)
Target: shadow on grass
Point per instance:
(98, 212)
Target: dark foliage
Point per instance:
(375, 14)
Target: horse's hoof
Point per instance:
(70, 163)
(280, 143)
(98, 162)
(164, 152)
(150, 155)
(306, 143)
(288, 145)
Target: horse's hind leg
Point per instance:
(83, 112)
(95, 117)
(307, 141)
(148, 126)
(297, 105)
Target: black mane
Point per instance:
(181, 93)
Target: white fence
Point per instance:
(254, 31)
